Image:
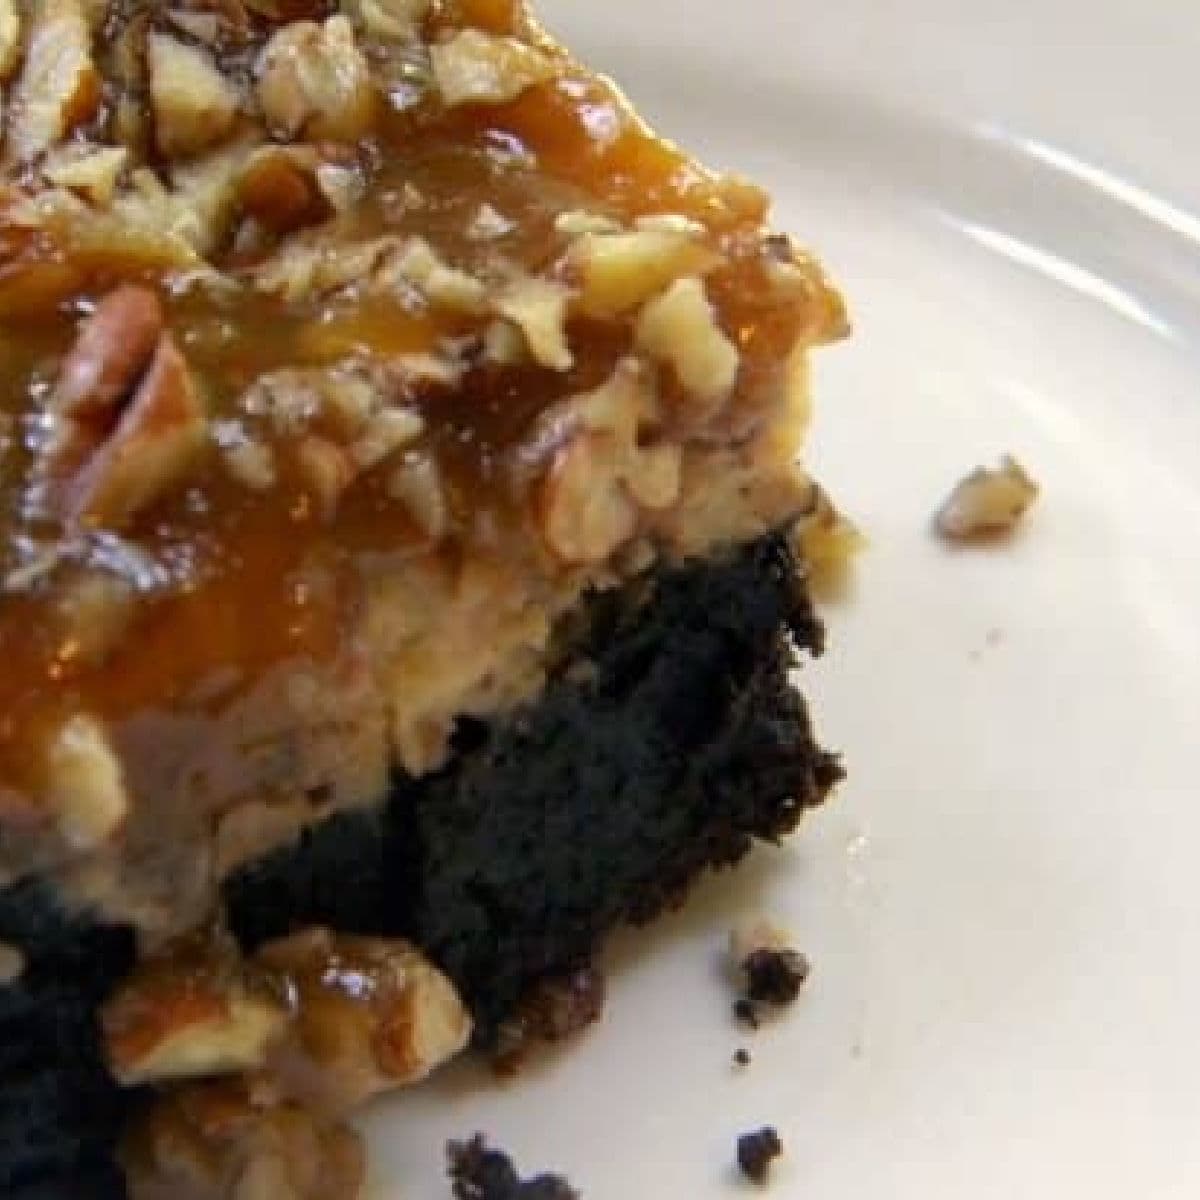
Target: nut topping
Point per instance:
(156, 440)
(314, 81)
(619, 271)
(166, 1025)
(371, 1015)
(59, 87)
(586, 510)
(588, 502)
(10, 36)
(87, 787)
(989, 502)
(679, 328)
(325, 1018)
(474, 67)
(230, 1139)
(194, 104)
(538, 308)
(114, 346)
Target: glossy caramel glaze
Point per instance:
(213, 584)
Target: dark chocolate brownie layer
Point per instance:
(671, 740)
(666, 746)
(59, 1108)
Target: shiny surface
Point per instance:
(228, 583)
(1002, 911)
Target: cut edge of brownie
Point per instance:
(669, 742)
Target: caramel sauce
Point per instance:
(233, 582)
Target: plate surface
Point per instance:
(1003, 907)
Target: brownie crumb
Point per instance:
(479, 1173)
(746, 1013)
(757, 1151)
(775, 976)
(771, 972)
(741, 1057)
(552, 1011)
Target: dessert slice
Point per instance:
(403, 566)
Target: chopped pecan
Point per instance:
(618, 271)
(314, 81)
(96, 610)
(279, 188)
(194, 104)
(228, 1140)
(113, 349)
(416, 262)
(417, 484)
(10, 36)
(161, 432)
(327, 470)
(989, 502)
(391, 18)
(601, 475)
(538, 307)
(86, 784)
(474, 67)
(586, 509)
(89, 171)
(680, 328)
(59, 87)
(383, 433)
(169, 1022)
(371, 1016)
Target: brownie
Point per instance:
(681, 744)
(59, 1108)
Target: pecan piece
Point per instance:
(86, 783)
(586, 509)
(223, 1138)
(680, 328)
(474, 67)
(160, 433)
(10, 36)
(372, 1015)
(989, 502)
(165, 1025)
(59, 88)
(314, 81)
(113, 349)
(194, 104)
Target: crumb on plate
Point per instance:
(756, 1151)
(989, 502)
(480, 1173)
(553, 1011)
(770, 971)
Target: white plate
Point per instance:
(1003, 908)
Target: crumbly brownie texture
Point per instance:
(667, 746)
(345, 346)
(756, 1151)
(480, 1173)
(671, 742)
(393, 440)
(60, 1110)
(769, 970)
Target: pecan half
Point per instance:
(113, 349)
(161, 432)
